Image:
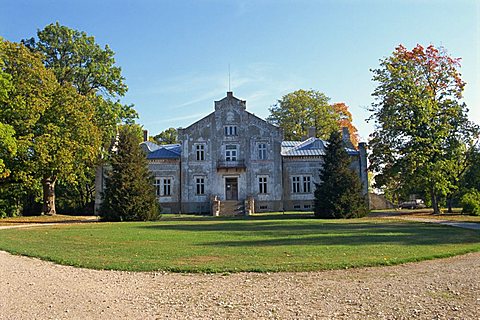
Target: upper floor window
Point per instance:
(230, 153)
(230, 130)
(200, 152)
(262, 151)
(200, 185)
(262, 184)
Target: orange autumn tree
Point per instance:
(345, 120)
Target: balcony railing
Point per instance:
(239, 164)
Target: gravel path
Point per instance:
(437, 289)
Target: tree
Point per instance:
(297, 111)
(75, 58)
(53, 124)
(339, 193)
(421, 128)
(8, 144)
(345, 121)
(169, 136)
(129, 190)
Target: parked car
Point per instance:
(412, 204)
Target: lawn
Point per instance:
(261, 243)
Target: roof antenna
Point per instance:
(229, 78)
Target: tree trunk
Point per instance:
(48, 184)
(436, 209)
(449, 204)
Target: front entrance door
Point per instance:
(231, 188)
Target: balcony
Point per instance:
(238, 165)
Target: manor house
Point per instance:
(233, 162)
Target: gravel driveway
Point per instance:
(437, 289)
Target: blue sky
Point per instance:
(175, 54)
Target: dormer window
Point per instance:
(230, 130)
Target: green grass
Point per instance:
(261, 243)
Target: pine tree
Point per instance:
(339, 194)
(129, 192)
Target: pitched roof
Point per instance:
(309, 147)
(168, 151)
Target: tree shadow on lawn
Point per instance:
(279, 234)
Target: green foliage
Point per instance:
(422, 132)
(129, 191)
(77, 60)
(297, 111)
(53, 124)
(213, 244)
(339, 194)
(471, 202)
(169, 136)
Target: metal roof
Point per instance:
(169, 151)
(309, 147)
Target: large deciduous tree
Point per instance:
(129, 190)
(75, 58)
(339, 193)
(421, 127)
(53, 124)
(297, 111)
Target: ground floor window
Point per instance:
(307, 185)
(163, 186)
(167, 187)
(200, 185)
(296, 184)
(157, 184)
(301, 184)
(262, 184)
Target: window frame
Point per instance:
(200, 151)
(262, 151)
(263, 184)
(230, 130)
(200, 185)
(231, 154)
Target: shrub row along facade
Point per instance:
(233, 162)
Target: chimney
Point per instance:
(312, 132)
(346, 135)
(229, 94)
(145, 135)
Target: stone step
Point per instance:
(232, 208)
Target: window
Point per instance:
(231, 130)
(231, 153)
(301, 184)
(167, 186)
(296, 184)
(200, 185)
(262, 151)
(163, 186)
(200, 152)
(262, 184)
(156, 183)
(307, 186)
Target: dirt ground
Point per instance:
(437, 289)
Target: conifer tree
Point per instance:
(339, 193)
(129, 192)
